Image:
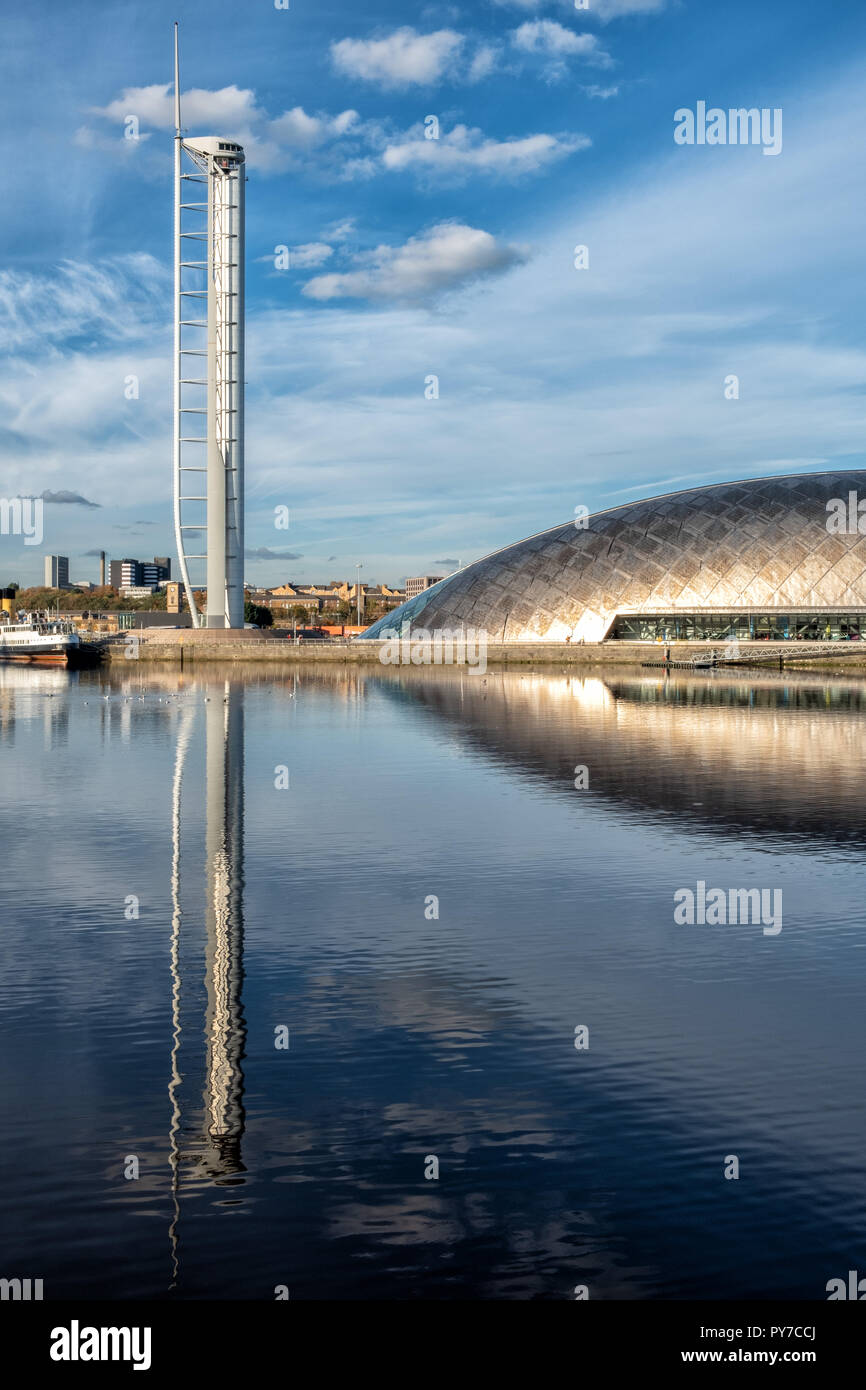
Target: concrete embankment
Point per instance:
(183, 647)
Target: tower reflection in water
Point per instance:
(209, 1150)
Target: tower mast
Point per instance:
(209, 334)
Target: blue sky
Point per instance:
(558, 387)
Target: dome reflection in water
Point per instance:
(305, 908)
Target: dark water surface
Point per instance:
(150, 1039)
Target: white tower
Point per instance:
(209, 367)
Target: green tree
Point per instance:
(105, 600)
(256, 613)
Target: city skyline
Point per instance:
(45, 557)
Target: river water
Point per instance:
(368, 983)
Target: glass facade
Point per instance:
(739, 627)
(406, 613)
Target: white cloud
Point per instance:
(296, 129)
(404, 59)
(224, 110)
(448, 255)
(342, 146)
(311, 255)
(484, 61)
(462, 152)
(269, 144)
(363, 167)
(67, 424)
(229, 111)
(601, 93)
(342, 230)
(547, 37)
(88, 139)
(73, 300)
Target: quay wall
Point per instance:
(187, 646)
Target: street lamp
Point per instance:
(358, 567)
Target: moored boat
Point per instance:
(41, 639)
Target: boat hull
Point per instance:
(53, 654)
(36, 656)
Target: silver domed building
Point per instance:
(769, 558)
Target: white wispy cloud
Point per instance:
(341, 230)
(67, 426)
(154, 105)
(401, 59)
(461, 152)
(448, 255)
(338, 145)
(271, 144)
(296, 129)
(86, 138)
(407, 58)
(485, 60)
(547, 37)
(310, 256)
(74, 299)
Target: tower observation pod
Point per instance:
(208, 456)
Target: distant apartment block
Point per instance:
(156, 571)
(420, 583)
(140, 574)
(57, 571)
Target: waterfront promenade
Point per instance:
(187, 646)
